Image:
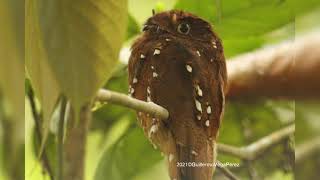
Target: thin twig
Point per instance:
(124, 100)
(253, 174)
(252, 151)
(60, 165)
(227, 172)
(38, 119)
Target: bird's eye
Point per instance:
(145, 28)
(184, 28)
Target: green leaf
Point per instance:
(142, 9)
(130, 156)
(11, 58)
(50, 149)
(133, 27)
(80, 42)
(241, 24)
(207, 9)
(38, 70)
(234, 18)
(256, 20)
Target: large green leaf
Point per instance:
(12, 89)
(38, 70)
(130, 156)
(234, 18)
(241, 24)
(11, 57)
(80, 42)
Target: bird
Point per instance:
(178, 63)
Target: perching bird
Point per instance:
(179, 64)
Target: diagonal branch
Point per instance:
(124, 100)
(38, 120)
(227, 172)
(253, 150)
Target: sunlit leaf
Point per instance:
(38, 70)
(234, 18)
(133, 27)
(11, 57)
(241, 24)
(80, 42)
(12, 89)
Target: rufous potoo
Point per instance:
(179, 64)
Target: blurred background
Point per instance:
(12, 90)
(116, 148)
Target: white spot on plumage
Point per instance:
(154, 74)
(135, 80)
(207, 123)
(198, 105)
(209, 109)
(167, 39)
(211, 60)
(198, 53)
(131, 90)
(152, 67)
(148, 90)
(171, 157)
(154, 146)
(194, 153)
(189, 68)
(142, 56)
(214, 44)
(153, 129)
(199, 117)
(199, 91)
(154, 120)
(148, 94)
(156, 52)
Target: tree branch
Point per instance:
(227, 172)
(289, 70)
(60, 166)
(253, 150)
(124, 100)
(38, 120)
(74, 144)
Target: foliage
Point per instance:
(79, 54)
(11, 89)
(254, 23)
(60, 60)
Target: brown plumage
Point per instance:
(178, 63)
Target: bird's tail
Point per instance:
(191, 164)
